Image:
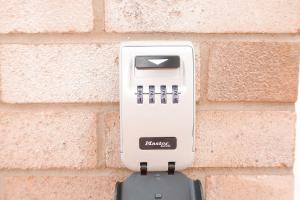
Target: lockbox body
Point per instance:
(157, 104)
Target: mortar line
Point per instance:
(2, 188)
(204, 63)
(104, 107)
(97, 37)
(98, 10)
(101, 139)
(122, 172)
(246, 106)
(57, 107)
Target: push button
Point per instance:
(158, 196)
(139, 94)
(151, 94)
(175, 95)
(163, 94)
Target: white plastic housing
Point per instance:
(157, 119)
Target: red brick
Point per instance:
(245, 139)
(39, 140)
(253, 71)
(249, 187)
(203, 16)
(63, 188)
(47, 73)
(33, 16)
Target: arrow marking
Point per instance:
(157, 61)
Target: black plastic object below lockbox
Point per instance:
(158, 185)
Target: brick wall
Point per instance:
(59, 119)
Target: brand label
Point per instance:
(158, 143)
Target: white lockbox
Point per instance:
(157, 104)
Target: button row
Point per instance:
(163, 94)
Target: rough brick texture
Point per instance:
(203, 16)
(59, 93)
(112, 140)
(229, 139)
(238, 71)
(249, 187)
(253, 71)
(47, 140)
(63, 188)
(245, 139)
(34, 16)
(59, 73)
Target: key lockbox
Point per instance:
(157, 115)
(157, 104)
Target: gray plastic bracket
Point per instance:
(158, 185)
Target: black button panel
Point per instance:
(148, 62)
